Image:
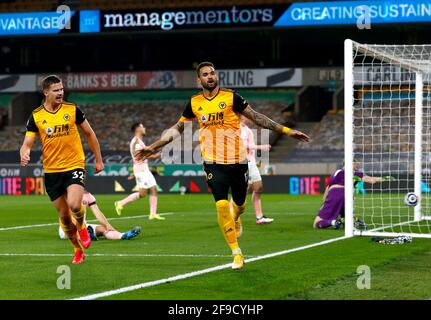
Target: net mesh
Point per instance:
(384, 127)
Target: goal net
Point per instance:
(388, 131)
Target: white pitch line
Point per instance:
(116, 255)
(199, 272)
(92, 220)
(393, 226)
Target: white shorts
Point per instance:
(63, 236)
(145, 180)
(253, 173)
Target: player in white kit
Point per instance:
(104, 228)
(254, 179)
(144, 178)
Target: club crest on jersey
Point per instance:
(49, 131)
(66, 117)
(222, 105)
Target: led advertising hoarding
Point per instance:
(297, 14)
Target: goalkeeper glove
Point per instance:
(389, 178)
(356, 179)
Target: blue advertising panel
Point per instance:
(35, 22)
(348, 12)
(89, 21)
(298, 14)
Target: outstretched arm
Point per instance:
(166, 138)
(265, 122)
(374, 180)
(93, 143)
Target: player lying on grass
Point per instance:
(331, 213)
(104, 229)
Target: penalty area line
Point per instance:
(200, 272)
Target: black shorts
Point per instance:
(56, 183)
(222, 177)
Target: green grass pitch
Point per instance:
(189, 240)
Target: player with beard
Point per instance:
(218, 111)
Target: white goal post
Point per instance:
(387, 108)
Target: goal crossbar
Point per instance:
(412, 65)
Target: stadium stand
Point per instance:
(390, 132)
(327, 144)
(112, 121)
(2, 116)
(328, 134)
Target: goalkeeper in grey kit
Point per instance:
(333, 199)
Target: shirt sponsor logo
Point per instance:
(58, 131)
(214, 118)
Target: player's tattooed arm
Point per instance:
(166, 138)
(261, 120)
(168, 135)
(265, 122)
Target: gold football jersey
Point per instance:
(58, 131)
(219, 123)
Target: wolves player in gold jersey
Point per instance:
(218, 111)
(57, 121)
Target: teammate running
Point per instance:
(56, 122)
